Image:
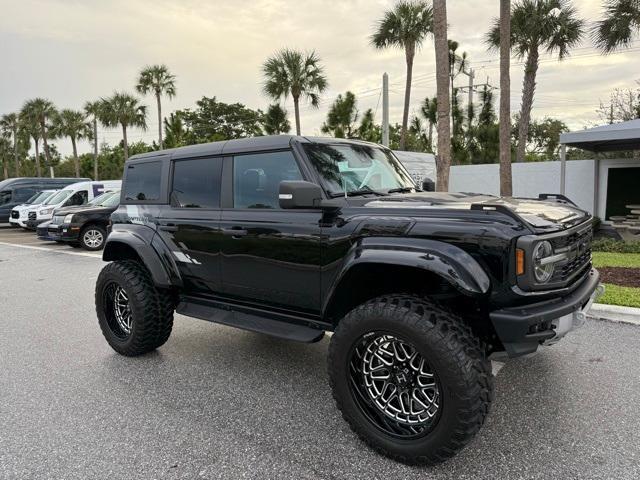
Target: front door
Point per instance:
(270, 256)
(190, 226)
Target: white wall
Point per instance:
(529, 180)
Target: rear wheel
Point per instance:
(92, 237)
(134, 316)
(410, 378)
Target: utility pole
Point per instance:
(385, 109)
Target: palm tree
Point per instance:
(92, 109)
(405, 26)
(43, 112)
(158, 80)
(123, 110)
(506, 181)
(341, 117)
(275, 120)
(30, 126)
(621, 22)
(548, 25)
(429, 111)
(10, 124)
(73, 124)
(5, 148)
(443, 160)
(291, 72)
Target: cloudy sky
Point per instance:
(71, 51)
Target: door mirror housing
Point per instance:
(299, 194)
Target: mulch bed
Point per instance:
(625, 277)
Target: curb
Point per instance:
(615, 313)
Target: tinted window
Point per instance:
(5, 197)
(23, 194)
(256, 178)
(196, 183)
(78, 198)
(143, 181)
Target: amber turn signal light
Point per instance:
(519, 261)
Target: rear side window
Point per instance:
(78, 198)
(23, 194)
(143, 181)
(5, 197)
(196, 183)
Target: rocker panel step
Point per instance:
(248, 321)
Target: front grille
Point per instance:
(33, 216)
(577, 246)
(15, 214)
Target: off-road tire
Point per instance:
(97, 228)
(455, 355)
(151, 308)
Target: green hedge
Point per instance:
(615, 246)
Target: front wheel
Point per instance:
(92, 237)
(410, 378)
(134, 316)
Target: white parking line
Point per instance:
(54, 250)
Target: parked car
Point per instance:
(84, 225)
(294, 236)
(421, 166)
(18, 216)
(76, 194)
(15, 191)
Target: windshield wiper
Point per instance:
(402, 190)
(360, 191)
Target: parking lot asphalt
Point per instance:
(217, 402)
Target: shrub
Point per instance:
(615, 246)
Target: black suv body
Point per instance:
(295, 236)
(83, 225)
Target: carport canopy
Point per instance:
(606, 138)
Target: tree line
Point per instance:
(475, 134)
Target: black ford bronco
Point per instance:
(296, 236)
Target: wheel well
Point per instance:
(120, 251)
(366, 281)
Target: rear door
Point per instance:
(191, 223)
(270, 256)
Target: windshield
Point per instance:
(109, 199)
(59, 197)
(348, 169)
(38, 198)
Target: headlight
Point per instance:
(68, 218)
(46, 211)
(543, 261)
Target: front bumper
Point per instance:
(33, 224)
(522, 329)
(58, 233)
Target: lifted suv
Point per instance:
(295, 236)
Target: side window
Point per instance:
(196, 183)
(257, 177)
(23, 194)
(5, 197)
(78, 198)
(143, 181)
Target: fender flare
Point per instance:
(149, 248)
(449, 262)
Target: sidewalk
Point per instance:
(614, 313)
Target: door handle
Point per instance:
(169, 227)
(235, 232)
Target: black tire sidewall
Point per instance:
(113, 275)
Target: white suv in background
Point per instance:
(18, 215)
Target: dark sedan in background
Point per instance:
(85, 225)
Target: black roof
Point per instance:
(41, 180)
(268, 142)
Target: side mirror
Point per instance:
(299, 194)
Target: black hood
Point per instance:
(547, 215)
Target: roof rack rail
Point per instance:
(557, 197)
(492, 207)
